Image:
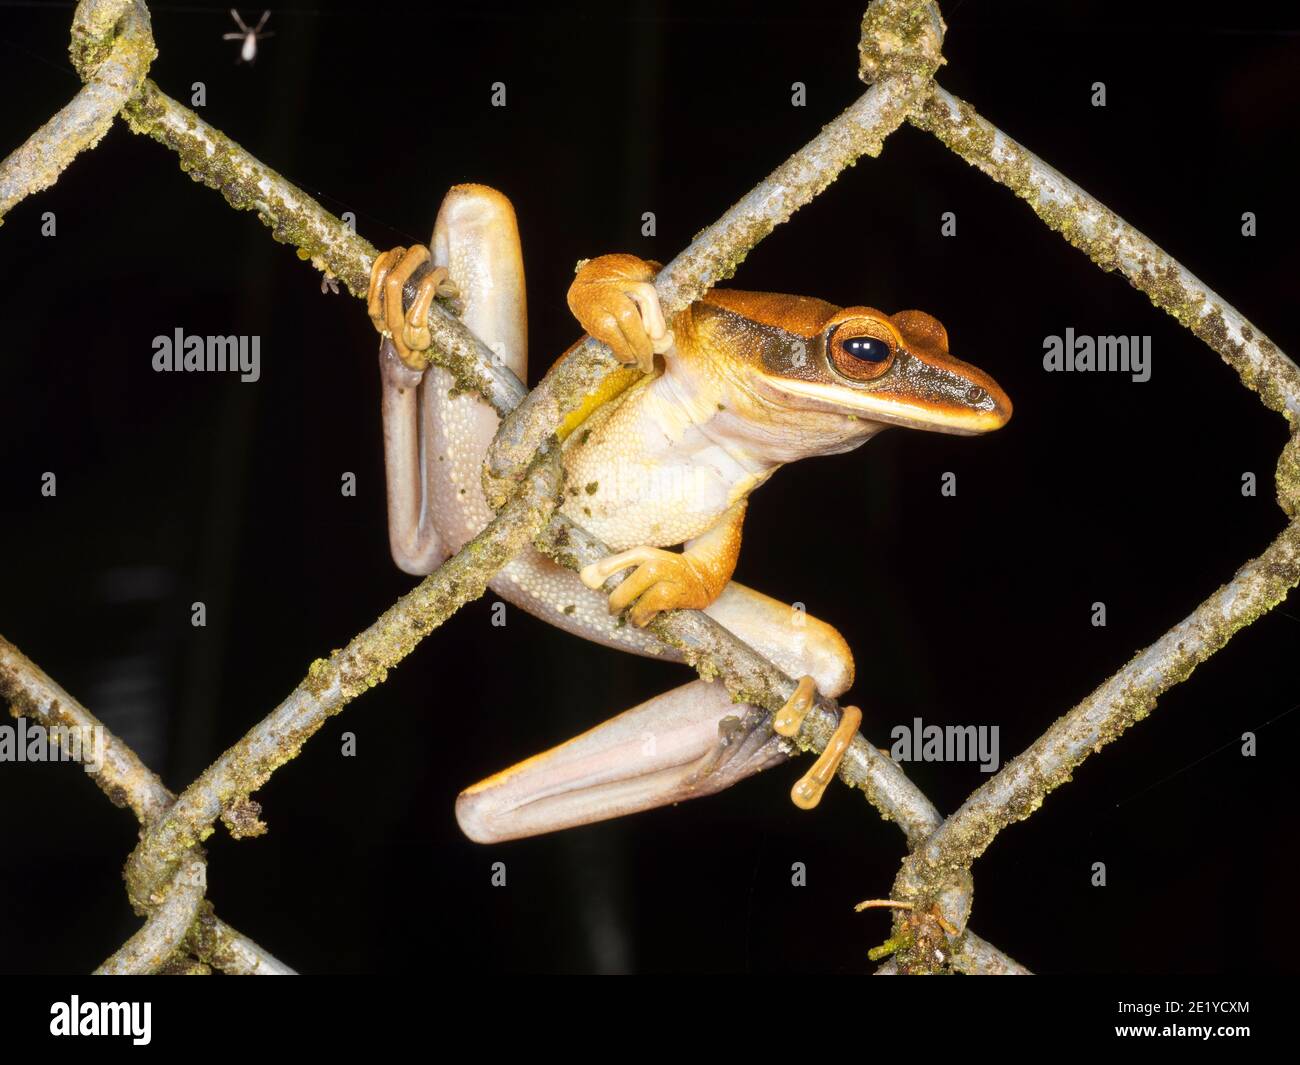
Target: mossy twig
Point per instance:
(112, 48)
(223, 789)
(129, 783)
(1128, 696)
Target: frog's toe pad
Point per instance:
(789, 719)
(808, 790)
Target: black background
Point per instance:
(973, 610)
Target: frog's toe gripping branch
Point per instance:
(408, 330)
(810, 788)
(680, 745)
(614, 300)
(662, 580)
(665, 580)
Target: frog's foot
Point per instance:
(409, 331)
(739, 738)
(810, 788)
(808, 792)
(663, 580)
(614, 300)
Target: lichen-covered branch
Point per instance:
(1113, 244)
(127, 782)
(1128, 696)
(112, 48)
(215, 941)
(716, 653)
(223, 789)
(210, 157)
(973, 956)
(978, 957)
(167, 927)
(248, 184)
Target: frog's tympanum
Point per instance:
(734, 387)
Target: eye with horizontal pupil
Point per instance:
(860, 356)
(868, 349)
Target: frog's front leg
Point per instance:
(614, 299)
(666, 580)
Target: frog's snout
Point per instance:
(988, 397)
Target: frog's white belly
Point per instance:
(655, 504)
(640, 472)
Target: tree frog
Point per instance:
(731, 389)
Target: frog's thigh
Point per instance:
(647, 757)
(790, 637)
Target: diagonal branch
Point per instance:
(1128, 696)
(223, 789)
(1124, 699)
(168, 926)
(1113, 244)
(127, 782)
(112, 48)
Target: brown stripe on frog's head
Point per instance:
(890, 369)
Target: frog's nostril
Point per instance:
(975, 394)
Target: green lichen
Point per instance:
(894, 943)
(211, 158)
(331, 684)
(1112, 244)
(900, 38)
(1287, 477)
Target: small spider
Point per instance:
(248, 53)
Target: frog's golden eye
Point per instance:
(860, 351)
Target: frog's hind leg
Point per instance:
(684, 744)
(434, 439)
(787, 635)
(658, 753)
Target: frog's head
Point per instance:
(894, 369)
(848, 372)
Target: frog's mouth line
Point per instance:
(940, 414)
